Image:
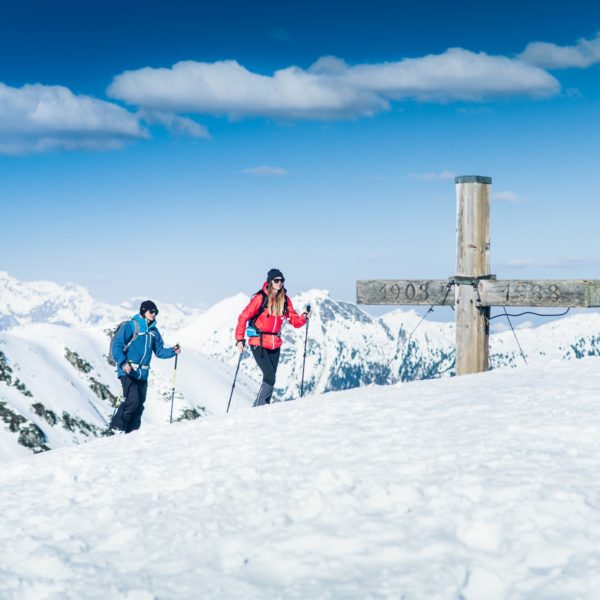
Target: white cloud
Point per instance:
(265, 171)
(551, 56)
(443, 176)
(228, 88)
(330, 88)
(457, 74)
(507, 196)
(36, 118)
(176, 124)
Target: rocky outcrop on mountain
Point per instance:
(6, 375)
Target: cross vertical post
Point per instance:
(472, 263)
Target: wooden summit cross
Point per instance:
(476, 290)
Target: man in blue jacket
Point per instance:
(132, 350)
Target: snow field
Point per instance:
(479, 487)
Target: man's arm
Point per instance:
(159, 347)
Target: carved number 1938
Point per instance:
(535, 292)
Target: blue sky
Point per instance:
(178, 151)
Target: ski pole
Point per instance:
(304, 357)
(173, 393)
(234, 379)
(117, 404)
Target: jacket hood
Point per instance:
(143, 323)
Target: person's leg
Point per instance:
(121, 418)
(136, 418)
(267, 361)
(274, 358)
(264, 394)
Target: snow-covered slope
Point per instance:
(481, 487)
(56, 387)
(569, 338)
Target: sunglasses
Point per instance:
(278, 280)
(153, 311)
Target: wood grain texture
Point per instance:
(472, 260)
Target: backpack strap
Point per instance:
(136, 331)
(263, 305)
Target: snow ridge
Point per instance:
(472, 487)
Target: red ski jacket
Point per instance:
(269, 325)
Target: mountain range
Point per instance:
(56, 387)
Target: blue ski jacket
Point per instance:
(139, 354)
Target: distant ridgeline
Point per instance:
(348, 348)
(56, 388)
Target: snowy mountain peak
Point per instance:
(314, 295)
(47, 302)
(71, 305)
(172, 316)
(213, 329)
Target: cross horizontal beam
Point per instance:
(540, 292)
(505, 292)
(404, 291)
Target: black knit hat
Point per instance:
(147, 305)
(273, 273)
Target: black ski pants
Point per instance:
(128, 417)
(267, 361)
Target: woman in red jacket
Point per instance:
(267, 311)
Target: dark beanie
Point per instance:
(273, 273)
(147, 305)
